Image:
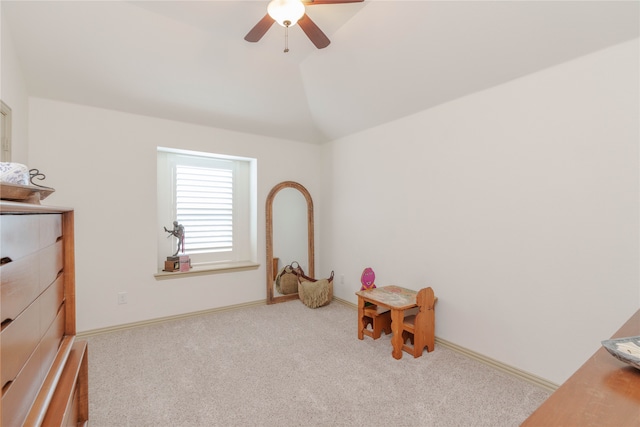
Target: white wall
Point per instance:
(518, 205)
(13, 92)
(103, 164)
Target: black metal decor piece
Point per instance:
(35, 173)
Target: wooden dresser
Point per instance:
(43, 367)
(603, 392)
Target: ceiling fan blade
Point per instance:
(312, 2)
(260, 29)
(314, 33)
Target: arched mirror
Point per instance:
(289, 214)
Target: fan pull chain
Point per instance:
(286, 36)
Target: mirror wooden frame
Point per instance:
(271, 299)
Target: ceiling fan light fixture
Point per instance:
(286, 12)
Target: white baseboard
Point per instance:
(524, 375)
(92, 332)
(534, 379)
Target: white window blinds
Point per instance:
(204, 206)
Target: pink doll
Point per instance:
(367, 279)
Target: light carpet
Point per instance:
(288, 365)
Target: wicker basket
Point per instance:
(287, 281)
(315, 293)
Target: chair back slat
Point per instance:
(420, 329)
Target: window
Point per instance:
(5, 132)
(213, 198)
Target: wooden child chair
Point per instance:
(380, 320)
(420, 328)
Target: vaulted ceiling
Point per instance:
(188, 61)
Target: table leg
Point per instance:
(360, 318)
(397, 319)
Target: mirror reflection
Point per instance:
(289, 214)
(290, 228)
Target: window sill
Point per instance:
(209, 269)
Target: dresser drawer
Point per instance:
(51, 262)
(22, 281)
(25, 234)
(50, 302)
(50, 229)
(19, 285)
(18, 395)
(50, 342)
(20, 235)
(18, 340)
(21, 337)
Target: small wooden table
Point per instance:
(396, 299)
(603, 392)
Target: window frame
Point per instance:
(244, 253)
(5, 132)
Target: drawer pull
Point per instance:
(6, 387)
(5, 323)
(5, 260)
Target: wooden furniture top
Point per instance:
(390, 296)
(17, 207)
(603, 392)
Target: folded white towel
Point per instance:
(14, 173)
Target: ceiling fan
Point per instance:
(289, 12)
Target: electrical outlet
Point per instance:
(122, 297)
(342, 279)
